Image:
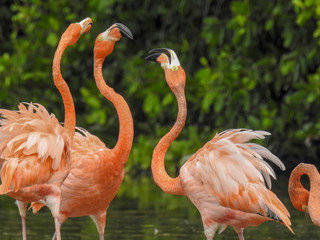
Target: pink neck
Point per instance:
(161, 178)
(70, 114)
(304, 169)
(313, 203)
(125, 138)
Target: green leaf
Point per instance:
(204, 61)
(266, 123)
(310, 3)
(207, 101)
(254, 122)
(238, 35)
(312, 53)
(96, 116)
(316, 33)
(318, 10)
(54, 23)
(286, 67)
(93, 102)
(85, 92)
(269, 24)
(241, 8)
(288, 36)
(218, 104)
(298, 3)
(168, 98)
(52, 39)
(304, 16)
(151, 104)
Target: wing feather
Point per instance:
(235, 172)
(31, 131)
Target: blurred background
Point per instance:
(249, 64)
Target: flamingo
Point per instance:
(97, 171)
(226, 178)
(301, 198)
(35, 148)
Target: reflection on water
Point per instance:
(142, 212)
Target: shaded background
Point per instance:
(249, 64)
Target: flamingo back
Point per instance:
(33, 145)
(85, 146)
(230, 172)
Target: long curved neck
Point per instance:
(299, 196)
(70, 114)
(313, 203)
(298, 193)
(160, 175)
(124, 144)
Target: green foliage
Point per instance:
(258, 74)
(249, 64)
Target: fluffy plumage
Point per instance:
(29, 139)
(228, 174)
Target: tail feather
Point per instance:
(36, 206)
(276, 210)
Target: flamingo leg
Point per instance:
(240, 233)
(57, 227)
(52, 201)
(54, 236)
(100, 221)
(210, 227)
(62, 218)
(22, 206)
(48, 194)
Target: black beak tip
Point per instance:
(159, 51)
(153, 57)
(125, 31)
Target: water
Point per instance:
(142, 212)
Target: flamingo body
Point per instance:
(96, 172)
(34, 147)
(225, 179)
(89, 155)
(92, 183)
(34, 152)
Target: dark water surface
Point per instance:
(142, 212)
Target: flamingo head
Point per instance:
(175, 75)
(105, 41)
(75, 30)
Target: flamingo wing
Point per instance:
(29, 138)
(85, 152)
(234, 173)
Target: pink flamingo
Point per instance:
(35, 148)
(225, 178)
(97, 171)
(301, 198)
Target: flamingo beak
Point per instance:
(86, 25)
(153, 57)
(124, 30)
(155, 53)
